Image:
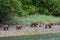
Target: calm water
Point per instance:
(35, 37)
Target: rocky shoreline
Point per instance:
(26, 30)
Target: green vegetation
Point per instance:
(34, 18)
(10, 8)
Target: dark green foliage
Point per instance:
(11, 8)
(27, 7)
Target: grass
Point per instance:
(35, 18)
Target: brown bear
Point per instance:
(48, 24)
(18, 26)
(5, 26)
(33, 24)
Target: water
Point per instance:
(34, 37)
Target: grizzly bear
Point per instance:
(48, 24)
(18, 26)
(5, 26)
(33, 24)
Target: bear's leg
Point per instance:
(31, 25)
(16, 27)
(35, 25)
(19, 28)
(7, 28)
(45, 26)
(49, 26)
(4, 28)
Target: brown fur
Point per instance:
(33, 24)
(5, 26)
(48, 24)
(18, 26)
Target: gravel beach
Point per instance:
(27, 30)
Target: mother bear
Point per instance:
(48, 24)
